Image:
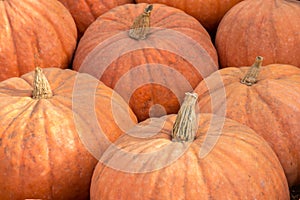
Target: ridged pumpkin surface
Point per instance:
(34, 33)
(42, 151)
(85, 12)
(241, 165)
(208, 12)
(271, 107)
(270, 28)
(158, 70)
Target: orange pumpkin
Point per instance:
(85, 12)
(208, 12)
(49, 133)
(268, 102)
(269, 28)
(179, 157)
(35, 33)
(151, 66)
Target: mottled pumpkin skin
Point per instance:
(271, 107)
(269, 28)
(240, 166)
(208, 12)
(85, 12)
(42, 155)
(146, 72)
(35, 33)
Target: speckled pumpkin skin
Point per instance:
(42, 155)
(269, 28)
(240, 166)
(156, 69)
(271, 107)
(35, 34)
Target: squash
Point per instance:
(52, 133)
(208, 12)
(269, 28)
(150, 54)
(265, 98)
(189, 156)
(35, 33)
(85, 12)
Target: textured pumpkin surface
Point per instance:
(208, 12)
(240, 166)
(269, 28)
(271, 107)
(172, 60)
(34, 33)
(42, 155)
(85, 12)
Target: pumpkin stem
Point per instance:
(41, 86)
(141, 24)
(185, 125)
(251, 76)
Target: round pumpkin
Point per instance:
(269, 28)
(189, 156)
(35, 33)
(85, 12)
(52, 133)
(208, 12)
(150, 54)
(265, 98)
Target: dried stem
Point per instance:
(41, 86)
(185, 125)
(141, 25)
(251, 76)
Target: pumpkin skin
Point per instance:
(35, 33)
(259, 27)
(147, 72)
(271, 107)
(42, 154)
(241, 163)
(85, 12)
(208, 12)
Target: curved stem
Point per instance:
(141, 25)
(185, 126)
(41, 86)
(251, 76)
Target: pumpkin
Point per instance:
(189, 156)
(150, 54)
(35, 33)
(52, 133)
(208, 12)
(85, 12)
(269, 28)
(265, 98)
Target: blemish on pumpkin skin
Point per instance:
(12, 135)
(262, 183)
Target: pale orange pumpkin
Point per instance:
(85, 12)
(50, 136)
(265, 98)
(152, 73)
(208, 12)
(269, 28)
(35, 33)
(189, 156)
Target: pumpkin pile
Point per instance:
(149, 99)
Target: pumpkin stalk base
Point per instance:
(251, 76)
(41, 86)
(185, 125)
(141, 24)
